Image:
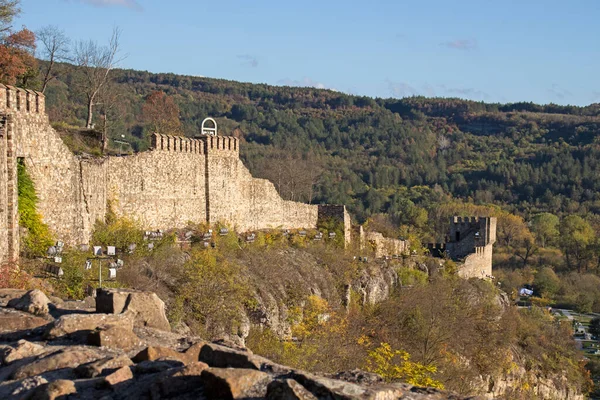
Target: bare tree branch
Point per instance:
(55, 48)
(95, 63)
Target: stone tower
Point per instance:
(470, 241)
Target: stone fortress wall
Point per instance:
(181, 180)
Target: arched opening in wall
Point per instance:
(18, 101)
(458, 236)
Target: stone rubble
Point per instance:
(116, 354)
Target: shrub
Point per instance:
(37, 239)
(395, 365)
(211, 294)
(118, 231)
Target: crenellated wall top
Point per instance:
(21, 100)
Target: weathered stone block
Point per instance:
(148, 309)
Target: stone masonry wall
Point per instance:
(245, 202)
(471, 242)
(53, 168)
(181, 180)
(4, 184)
(384, 246)
(478, 264)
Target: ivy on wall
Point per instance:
(37, 238)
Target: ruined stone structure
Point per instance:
(470, 242)
(382, 246)
(180, 180)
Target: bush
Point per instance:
(37, 239)
(395, 365)
(120, 232)
(211, 295)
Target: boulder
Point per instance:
(85, 323)
(24, 386)
(34, 302)
(121, 375)
(359, 376)
(152, 367)
(22, 349)
(328, 388)
(115, 336)
(288, 389)
(12, 322)
(231, 383)
(54, 390)
(192, 369)
(99, 367)
(193, 352)
(148, 308)
(69, 358)
(224, 357)
(182, 381)
(152, 353)
(7, 295)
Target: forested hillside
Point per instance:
(374, 155)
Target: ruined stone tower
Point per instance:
(470, 243)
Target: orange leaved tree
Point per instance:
(160, 114)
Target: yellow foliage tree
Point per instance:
(395, 365)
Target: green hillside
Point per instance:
(375, 155)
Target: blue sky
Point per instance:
(497, 51)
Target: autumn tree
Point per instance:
(576, 238)
(55, 49)
(545, 228)
(546, 283)
(511, 229)
(160, 113)
(17, 61)
(95, 62)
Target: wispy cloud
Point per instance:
(401, 89)
(470, 93)
(559, 92)
(133, 4)
(596, 96)
(248, 60)
(304, 82)
(461, 44)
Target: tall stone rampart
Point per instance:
(52, 167)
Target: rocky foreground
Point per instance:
(120, 347)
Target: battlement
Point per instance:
(227, 143)
(436, 246)
(466, 220)
(436, 249)
(480, 229)
(182, 144)
(22, 100)
(177, 144)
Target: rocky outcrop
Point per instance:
(89, 356)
